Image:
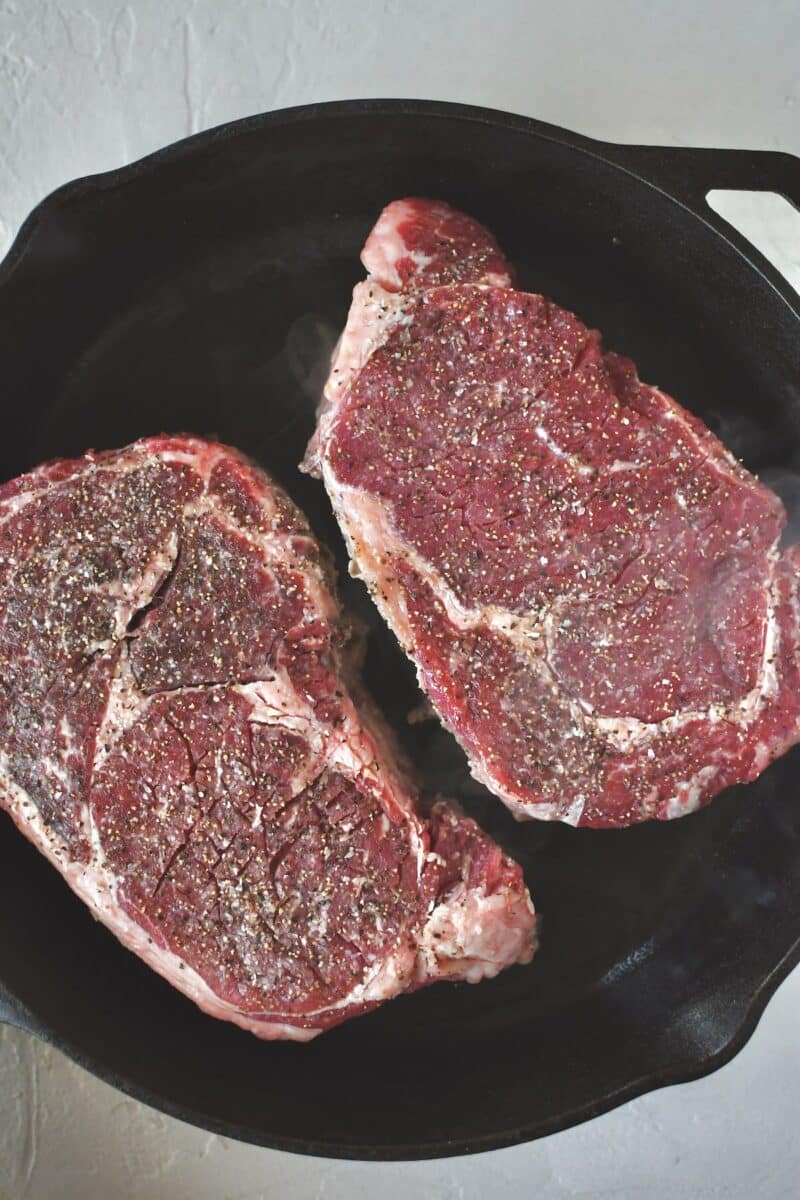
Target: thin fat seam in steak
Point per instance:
(176, 736)
(589, 584)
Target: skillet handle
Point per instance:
(690, 174)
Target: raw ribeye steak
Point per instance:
(177, 738)
(589, 584)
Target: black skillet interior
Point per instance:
(201, 290)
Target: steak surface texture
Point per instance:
(178, 737)
(590, 586)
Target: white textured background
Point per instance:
(87, 86)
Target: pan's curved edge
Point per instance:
(623, 157)
(690, 1069)
(87, 184)
(686, 1072)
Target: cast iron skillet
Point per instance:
(200, 289)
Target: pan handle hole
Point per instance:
(767, 220)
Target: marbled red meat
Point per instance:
(177, 736)
(589, 584)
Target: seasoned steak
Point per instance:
(589, 584)
(177, 737)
